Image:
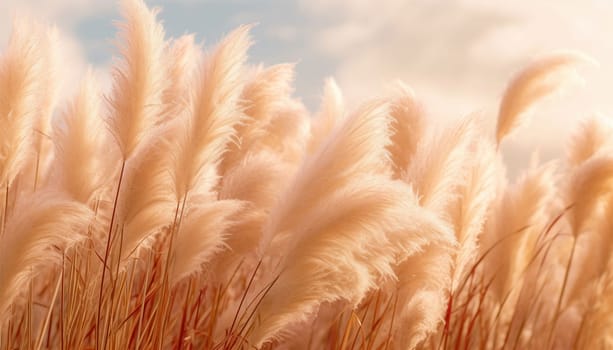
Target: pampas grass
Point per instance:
(203, 207)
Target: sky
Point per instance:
(457, 55)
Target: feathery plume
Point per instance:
(41, 225)
(286, 134)
(82, 166)
(518, 216)
(357, 146)
(330, 115)
(422, 289)
(146, 202)
(256, 181)
(340, 249)
(201, 235)
(594, 134)
(138, 79)
(182, 57)
(472, 208)
(50, 86)
(265, 94)
(408, 126)
(592, 256)
(439, 165)
(590, 184)
(204, 133)
(20, 95)
(541, 78)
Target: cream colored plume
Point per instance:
(146, 202)
(182, 56)
(21, 93)
(331, 114)
(52, 83)
(594, 135)
(265, 94)
(518, 217)
(201, 235)
(440, 164)
(539, 79)
(341, 249)
(202, 137)
(408, 127)
(472, 208)
(436, 172)
(42, 226)
(83, 164)
(138, 77)
(357, 146)
(256, 181)
(598, 324)
(592, 257)
(287, 134)
(422, 291)
(591, 183)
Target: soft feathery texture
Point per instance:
(541, 78)
(201, 234)
(138, 77)
(184, 55)
(42, 225)
(592, 257)
(439, 165)
(408, 127)
(343, 247)
(355, 147)
(20, 95)
(423, 282)
(256, 181)
(82, 166)
(331, 114)
(146, 202)
(51, 84)
(364, 223)
(287, 133)
(598, 325)
(203, 135)
(436, 172)
(594, 135)
(590, 184)
(472, 208)
(516, 219)
(266, 92)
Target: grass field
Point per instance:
(198, 205)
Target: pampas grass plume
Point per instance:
(541, 78)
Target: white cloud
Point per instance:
(458, 55)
